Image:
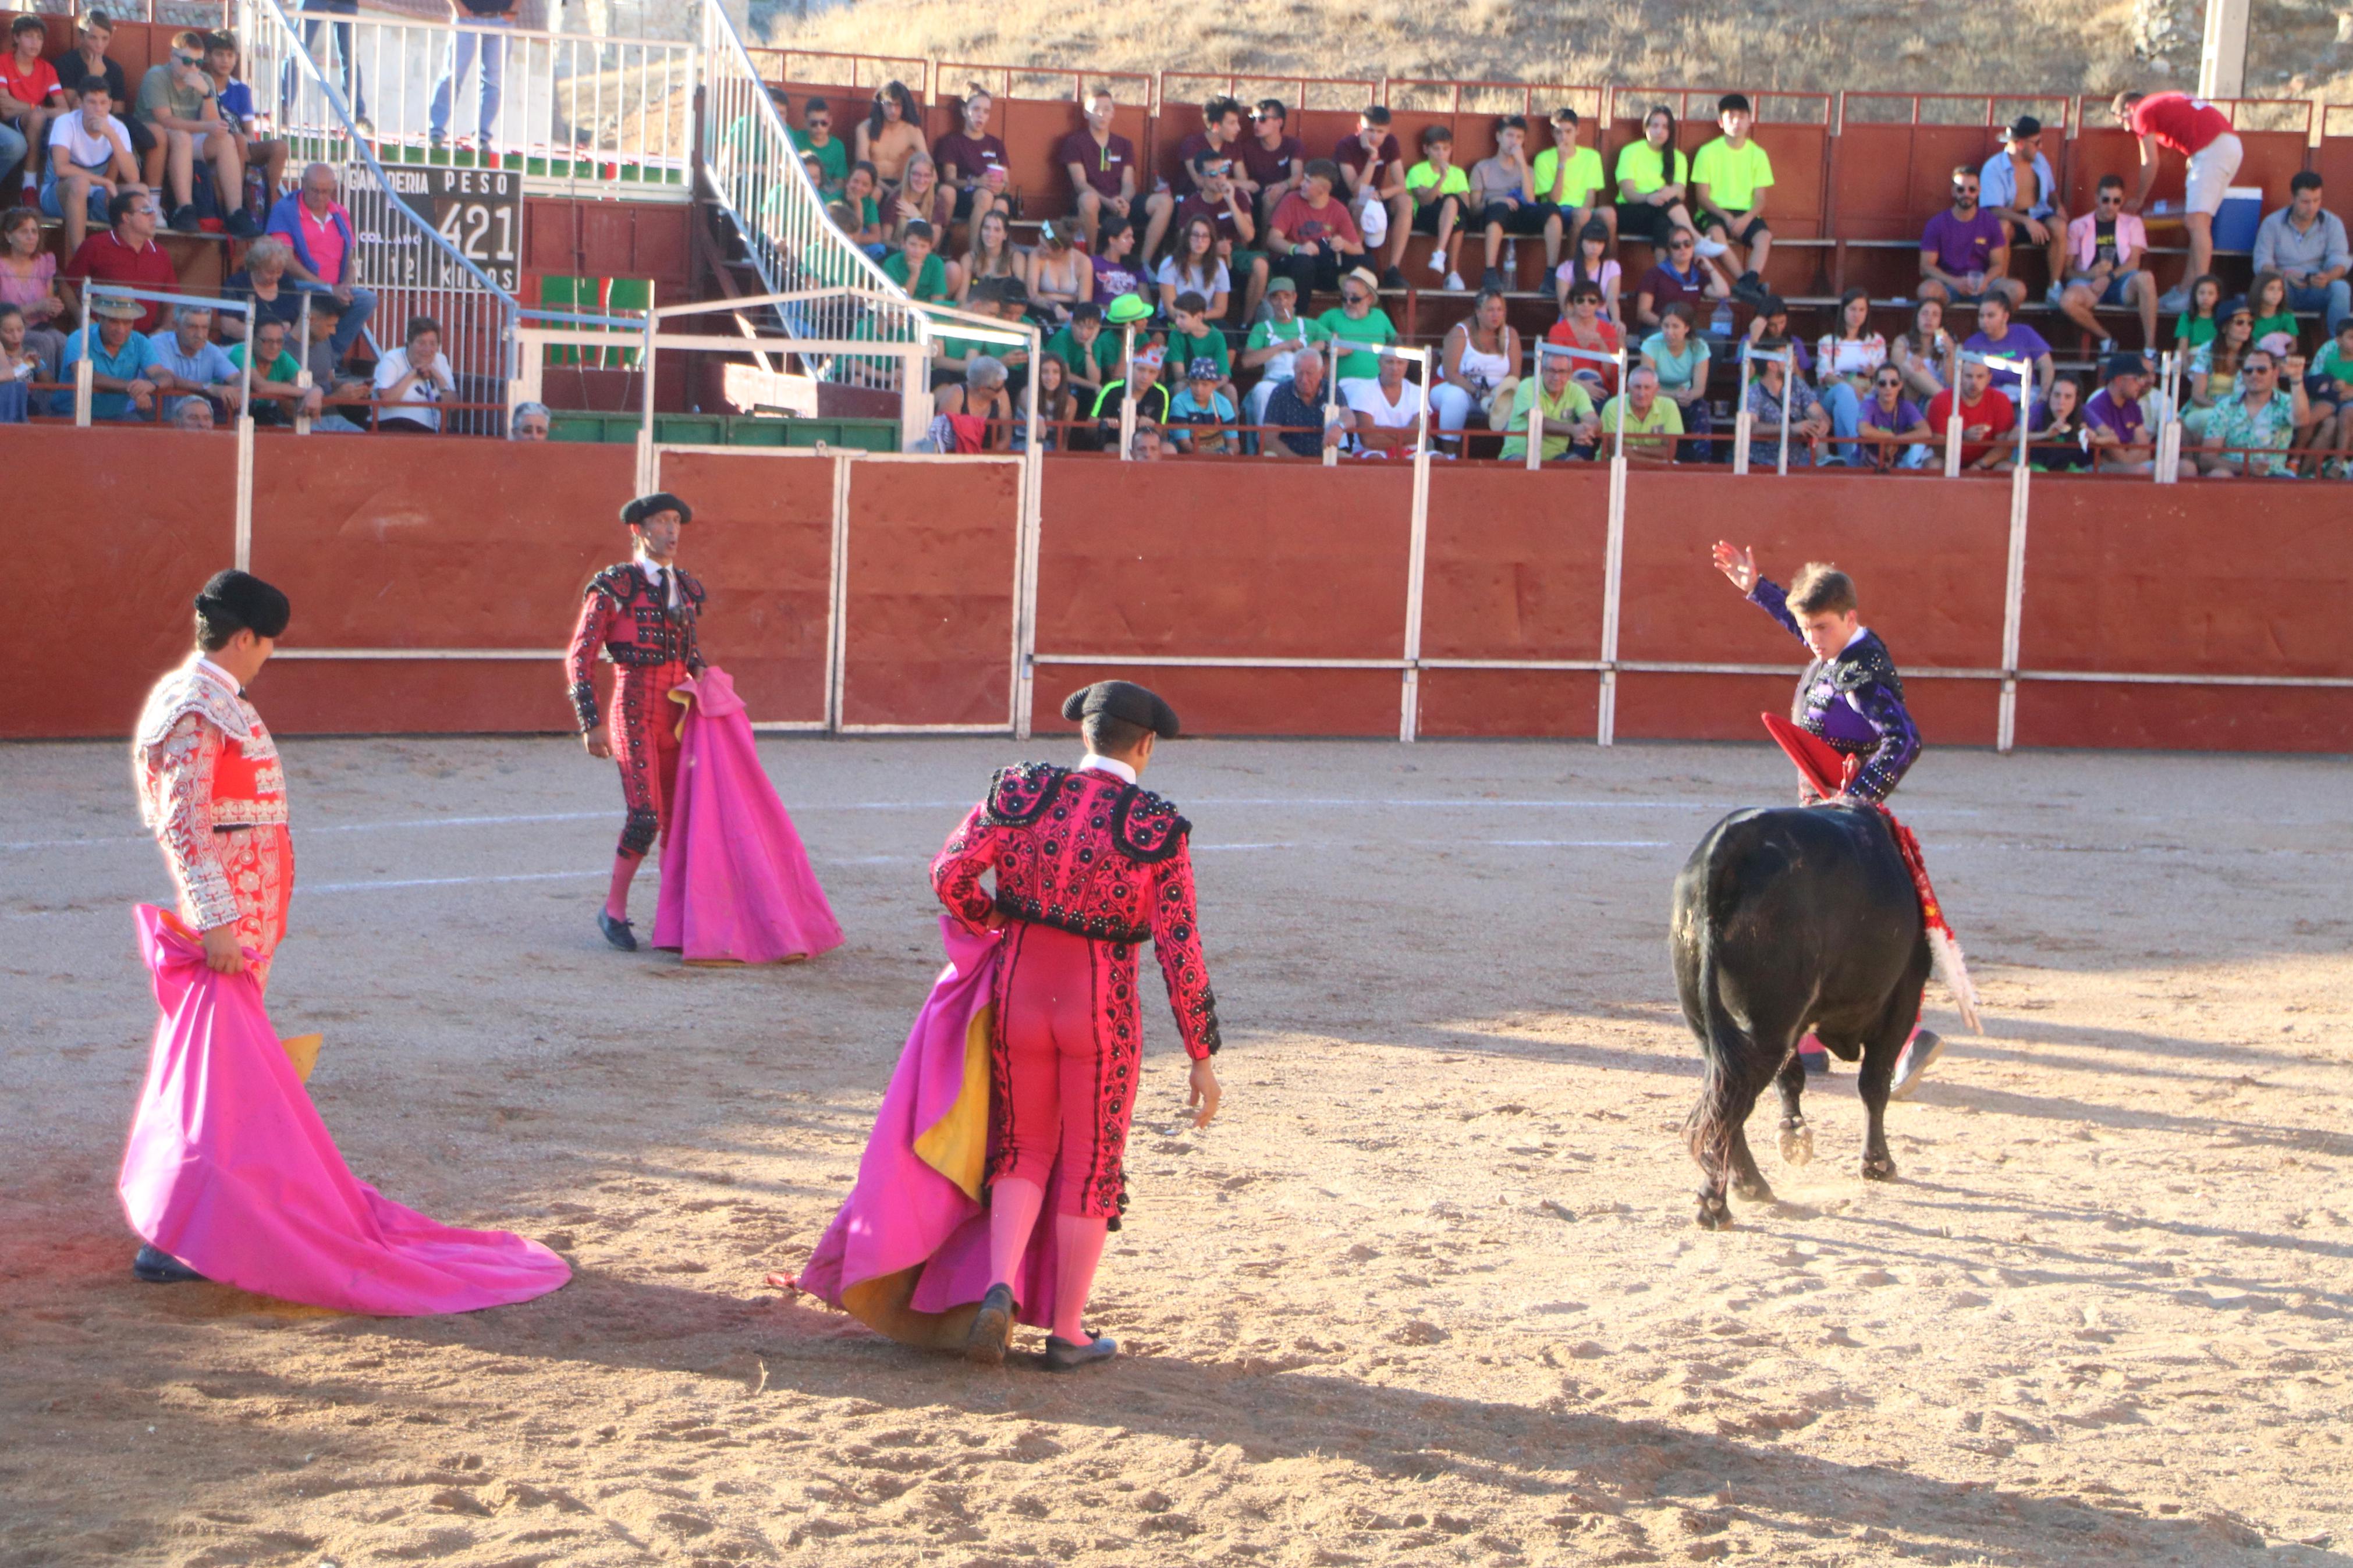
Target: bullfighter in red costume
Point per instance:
(641, 615)
(1089, 867)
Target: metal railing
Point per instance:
(753, 171)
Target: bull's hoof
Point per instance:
(1797, 1144)
(1714, 1214)
(1878, 1168)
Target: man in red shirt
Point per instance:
(30, 97)
(2202, 134)
(1101, 165)
(1985, 416)
(128, 253)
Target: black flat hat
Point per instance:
(247, 599)
(1122, 699)
(644, 507)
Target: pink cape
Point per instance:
(230, 1170)
(736, 887)
(908, 1254)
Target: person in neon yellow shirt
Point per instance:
(1438, 191)
(1651, 422)
(1568, 179)
(1730, 178)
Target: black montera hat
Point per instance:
(245, 599)
(644, 507)
(1122, 699)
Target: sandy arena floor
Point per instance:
(1429, 1292)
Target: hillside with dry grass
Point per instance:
(2031, 46)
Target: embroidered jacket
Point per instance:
(204, 766)
(1092, 853)
(632, 623)
(1854, 701)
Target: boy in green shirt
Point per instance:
(1438, 191)
(1729, 178)
(1568, 179)
(1090, 354)
(816, 138)
(1194, 340)
(916, 262)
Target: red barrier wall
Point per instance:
(929, 593)
(761, 541)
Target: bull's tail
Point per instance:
(1707, 1130)
(1946, 962)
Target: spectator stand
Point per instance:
(2277, 134)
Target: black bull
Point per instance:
(1788, 920)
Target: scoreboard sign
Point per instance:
(479, 211)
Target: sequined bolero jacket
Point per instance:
(1087, 853)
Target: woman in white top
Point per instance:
(1388, 409)
(1478, 367)
(1591, 264)
(1194, 267)
(1059, 277)
(1844, 366)
(416, 377)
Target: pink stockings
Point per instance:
(617, 897)
(1014, 1205)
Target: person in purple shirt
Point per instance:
(1114, 276)
(2113, 425)
(1965, 251)
(1997, 334)
(1890, 413)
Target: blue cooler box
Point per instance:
(2240, 215)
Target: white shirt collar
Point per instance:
(208, 667)
(1111, 765)
(1860, 633)
(652, 569)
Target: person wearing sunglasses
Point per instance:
(1965, 250)
(1680, 276)
(1889, 418)
(2017, 188)
(2249, 432)
(1275, 160)
(2104, 249)
(177, 102)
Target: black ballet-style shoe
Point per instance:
(985, 1346)
(1062, 1355)
(157, 1266)
(617, 933)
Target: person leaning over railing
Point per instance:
(416, 376)
(1769, 382)
(2056, 431)
(186, 361)
(1296, 409)
(1152, 401)
(2250, 431)
(278, 396)
(1987, 416)
(336, 387)
(1058, 407)
(319, 229)
(262, 282)
(1888, 417)
(121, 365)
(1200, 417)
(1387, 409)
(1651, 422)
(1570, 428)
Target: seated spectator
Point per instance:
(1772, 321)
(2055, 434)
(914, 267)
(1679, 356)
(1296, 410)
(1373, 168)
(1965, 251)
(1201, 416)
(28, 280)
(1567, 182)
(1887, 418)
(1275, 160)
(973, 165)
(891, 135)
(279, 395)
(1679, 276)
(1730, 177)
(2198, 319)
(120, 366)
(2104, 249)
(530, 422)
(2328, 390)
(234, 97)
(1592, 263)
(1191, 338)
(1311, 235)
(337, 390)
(1152, 400)
(1987, 416)
(1274, 340)
(127, 254)
(1357, 320)
(19, 368)
(1648, 423)
(1386, 410)
(2214, 367)
(1219, 136)
(192, 414)
(2250, 432)
(1924, 354)
(1115, 238)
(262, 282)
(859, 214)
(919, 198)
(1585, 327)
(1478, 369)
(1850, 358)
(1503, 198)
(1102, 168)
(1088, 353)
(1569, 428)
(1216, 200)
(993, 253)
(1061, 278)
(1771, 388)
(1194, 269)
(186, 359)
(2113, 425)
(1439, 193)
(416, 377)
(87, 161)
(2016, 185)
(177, 102)
(979, 413)
(1151, 443)
(2275, 323)
(815, 138)
(316, 224)
(1057, 405)
(30, 99)
(2305, 243)
(1997, 334)
(1653, 189)
(86, 62)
